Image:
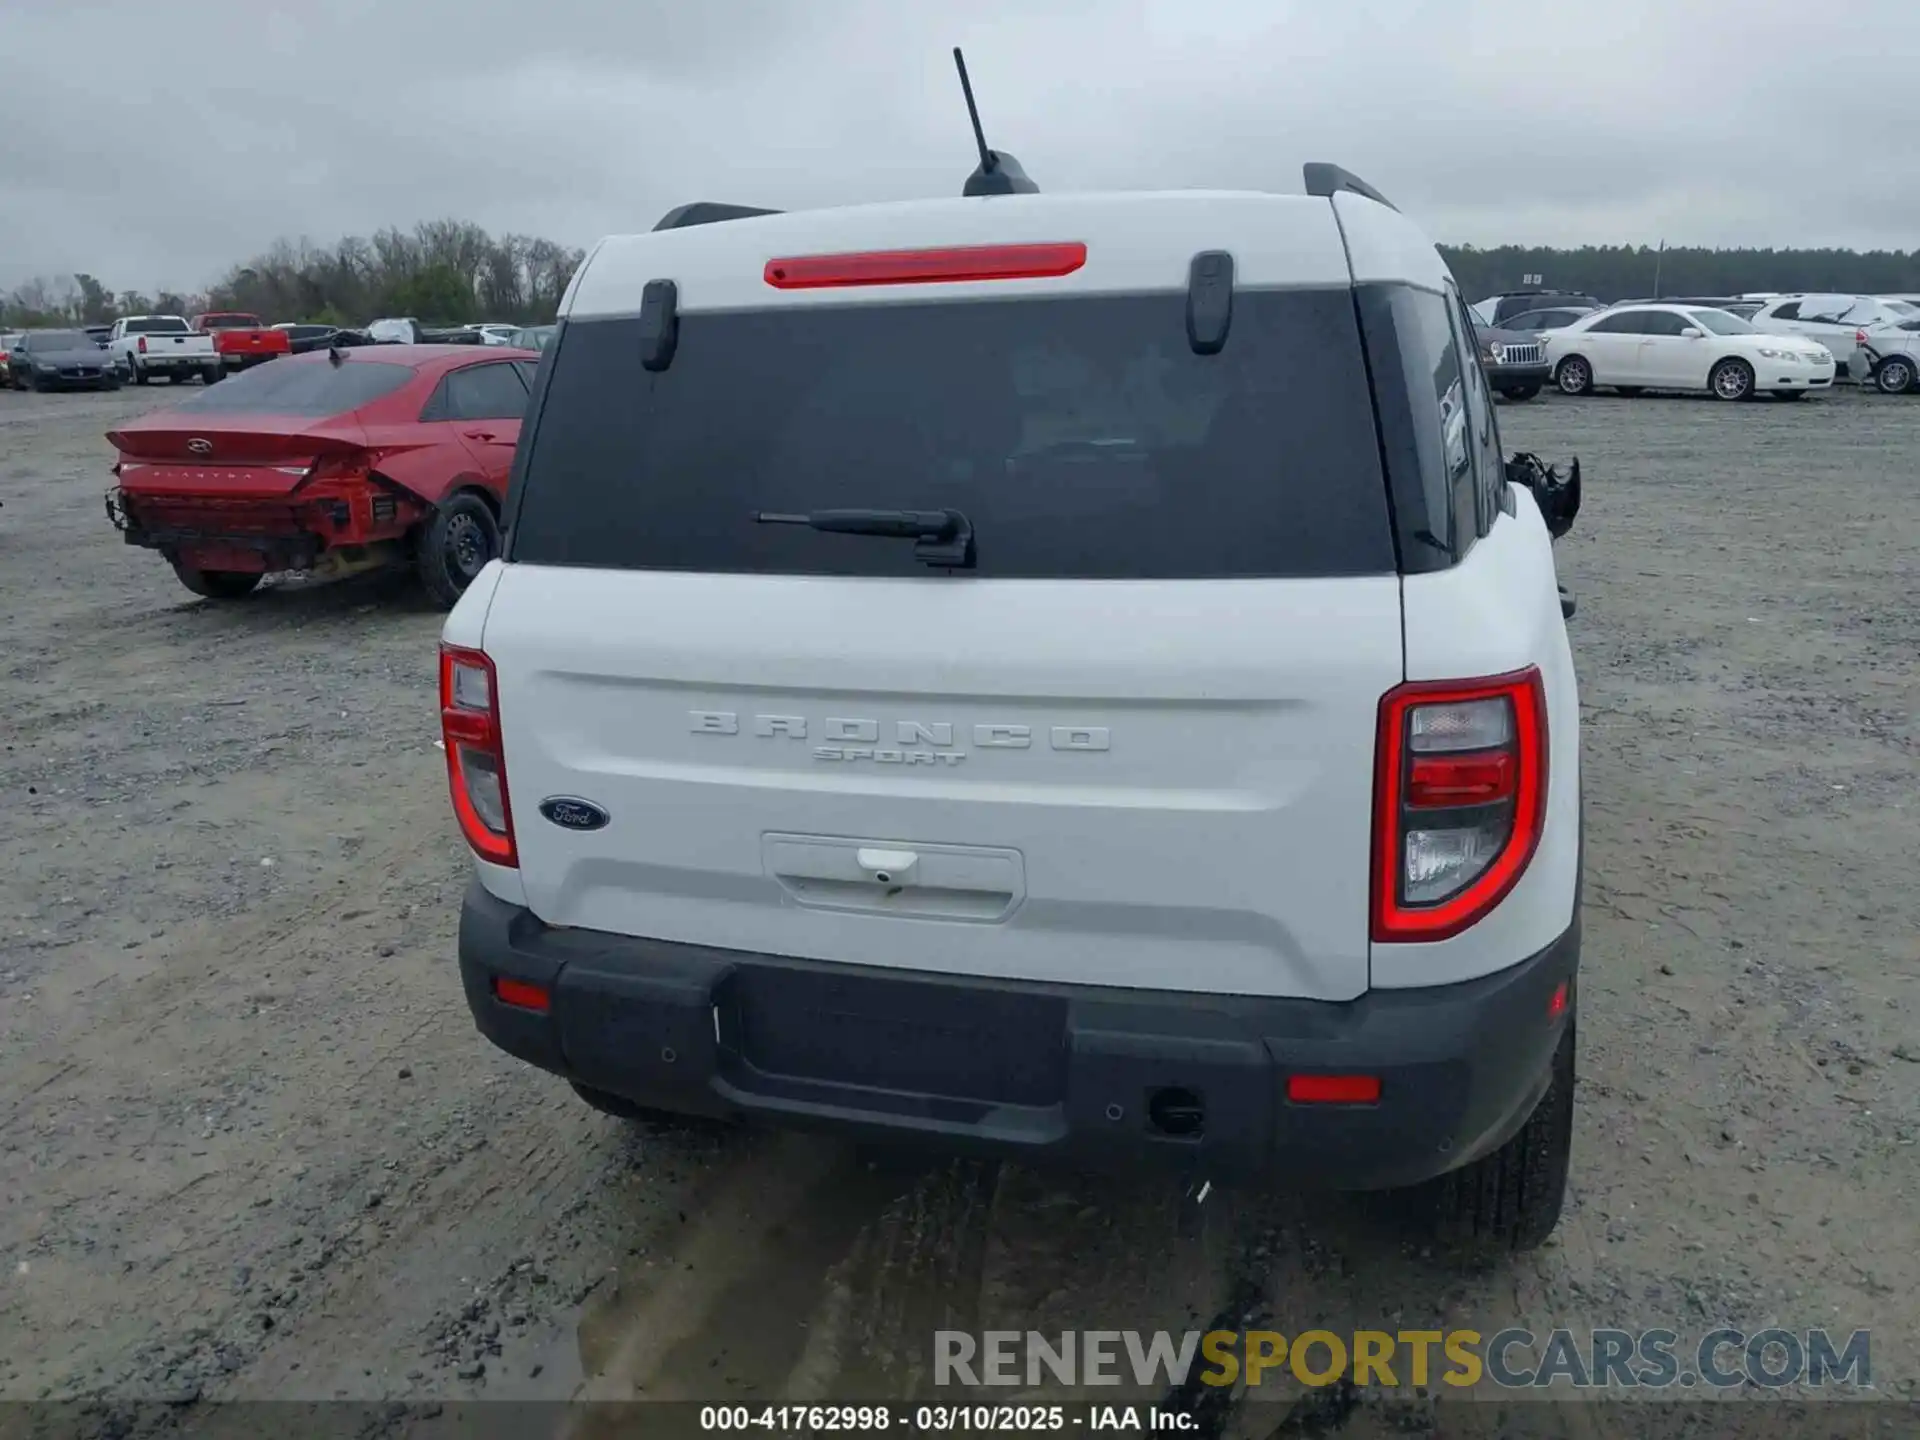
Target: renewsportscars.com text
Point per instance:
(1509, 1359)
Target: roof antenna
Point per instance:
(999, 172)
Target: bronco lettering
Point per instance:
(907, 742)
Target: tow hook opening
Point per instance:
(1177, 1112)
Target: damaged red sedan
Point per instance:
(332, 462)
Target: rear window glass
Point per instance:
(1080, 437)
(230, 322)
(294, 387)
(170, 325)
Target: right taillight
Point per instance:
(1459, 800)
(476, 759)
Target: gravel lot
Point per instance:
(252, 1147)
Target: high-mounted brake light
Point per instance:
(926, 267)
(1459, 801)
(476, 757)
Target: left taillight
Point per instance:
(1459, 801)
(476, 758)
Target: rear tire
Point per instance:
(1731, 379)
(140, 377)
(1574, 376)
(621, 1108)
(1510, 1201)
(1896, 375)
(1521, 392)
(454, 546)
(218, 584)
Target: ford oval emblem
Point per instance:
(571, 813)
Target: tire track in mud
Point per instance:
(818, 1270)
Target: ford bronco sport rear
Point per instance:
(1058, 675)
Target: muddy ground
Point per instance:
(250, 1145)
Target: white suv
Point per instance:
(1832, 321)
(1067, 675)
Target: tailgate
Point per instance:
(1152, 784)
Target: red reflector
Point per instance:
(926, 267)
(1557, 1006)
(1333, 1089)
(1482, 779)
(522, 993)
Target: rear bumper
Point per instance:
(1078, 1073)
(236, 361)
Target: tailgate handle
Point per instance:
(887, 867)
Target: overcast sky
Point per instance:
(153, 144)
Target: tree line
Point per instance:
(448, 272)
(452, 272)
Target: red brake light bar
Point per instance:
(926, 267)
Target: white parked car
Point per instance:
(1116, 702)
(1889, 356)
(1631, 348)
(1833, 320)
(491, 334)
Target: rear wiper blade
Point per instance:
(941, 537)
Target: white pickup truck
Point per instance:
(150, 345)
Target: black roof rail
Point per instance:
(706, 212)
(1327, 180)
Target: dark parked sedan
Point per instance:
(61, 360)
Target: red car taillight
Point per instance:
(1459, 801)
(143, 344)
(476, 759)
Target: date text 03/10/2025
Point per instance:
(942, 1419)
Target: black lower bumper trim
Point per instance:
(1091, 1074)
(1518, 377)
